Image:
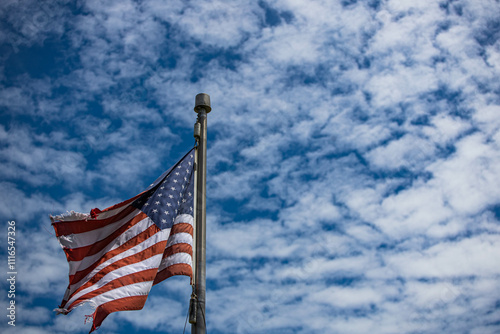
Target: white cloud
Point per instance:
(464, 258)
(353, 154)
(469, 178)
(445, 129)
(348, 297)
(409, 151)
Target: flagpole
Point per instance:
(198, 321)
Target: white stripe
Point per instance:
(138, 228)
(91, 237)
(74, 216)
(176, 259)
(150, 263)
(136, 289)
(154, 239)
(178, 238)
(184, 218)
(69, 216)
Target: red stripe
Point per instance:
(80, 226)
(116, 206)
(78, 254)
(175, 269)
(178, 248)
(141, 237)
(182, 228)
(141, 276)
(135, 258)
(122, 304)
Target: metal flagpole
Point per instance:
(197, 304)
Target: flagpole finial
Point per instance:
(202, 101)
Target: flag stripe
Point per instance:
(178, 248)
(174, 270)
(182, 228)
(175, 259)
(140, 276)
(89, 238)
(135, 289)
(126, 246)
(113, 272)
(111, 209)
(150, 247)
(180, 238)
(122, 304)
(78, 254)
(80, 226)
(125, 238)
(155, 247)
(77, 240)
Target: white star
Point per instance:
(175, 181)
(170, 196)
(157, 202)
(163, 221)
(173, 188)
(155, 211)
(168, 204)
(166, 212)
(160, 195)
(146, 204)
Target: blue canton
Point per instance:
(172, 196)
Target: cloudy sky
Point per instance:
(354, 156)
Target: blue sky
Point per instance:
(354, 156)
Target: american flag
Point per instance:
(117, 254)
